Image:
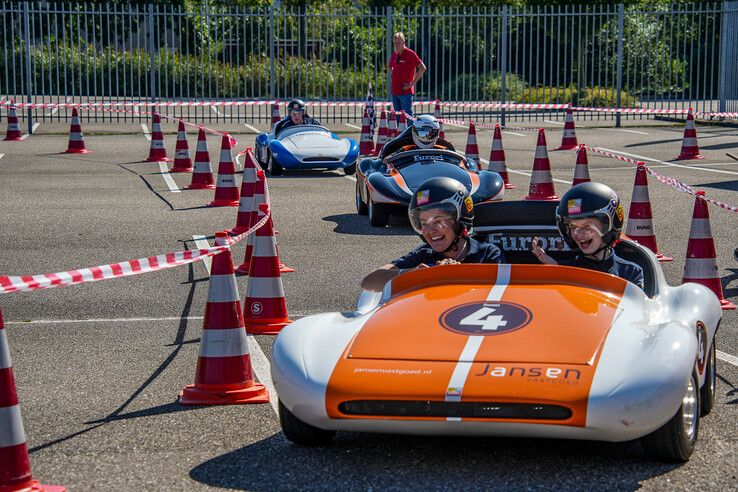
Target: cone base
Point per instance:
(223, 203)
(726, 305)
(509, 186)
(202, 395)
(265, 328)
(159, 159)
(688, 157)
(201, 187)
(549, 198)
(13, 139)
(661, 257)
(76, 151)
(567, 147)
(285, 269)
(35, 486)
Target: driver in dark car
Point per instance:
(296, 115)
(424, 133)
(441, 211)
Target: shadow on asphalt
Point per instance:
(727, 185)
(356, 224)
(374, 461)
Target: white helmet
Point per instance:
(425, 131)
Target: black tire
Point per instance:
(274, 168)
(378, 215)
(301, 433)
(349, 170)
(707, 392)
(361, 207)
(674, 442)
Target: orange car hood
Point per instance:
(546, 315)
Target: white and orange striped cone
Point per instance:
(265, 307)
(438, 116)
(541, 181)
(392, 125)
(402, 124)
(275, 113)
(259, 198)
(182, 161)
(76, 140)
(226, 189)
(157, 151)
(639, 227)
(13, 134)
(690, 149)
(472, 148)
(202, 176)
(581, 169)
(15, 464)
(366, 142)
(382, 134)
(497, 158)
(246, 208)
(224, 374)
(701, 264)
(569, 138)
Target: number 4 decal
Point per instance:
(483, 317)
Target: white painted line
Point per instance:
(630, 131)
(146, 131)
(553, 122)
(353, 126)
(350, 178)
(126, 320)
(215, 110)
(485, 161)
(253, 129)
(168, 178)
(2, 155)
(262, 369)
(201, 242)
(514, 133)
(671, 164)
(730, 359)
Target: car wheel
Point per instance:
(301, 433)
(349, 170)
(675, 440)
(707, 392)
(378, 216)
(273, 166)
(361, 207)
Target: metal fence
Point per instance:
(651, 57)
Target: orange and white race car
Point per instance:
(517, 349)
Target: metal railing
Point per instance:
(652, 57)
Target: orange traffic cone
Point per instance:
(541, 181)
(226, 190)
(497, 158)
(246, 208)
(224, 374)
(366, 142)
(402, 125)
(438, 115)
(569, 138)
(157, 152)
(701, 265)
(76, 140)
(392, 125)
(690, 149)
(382, 134)
(472, 149)
(640, 225)
(275, 113)
(265, 307)
(182, 161)
(202, 176)
(259, 198)
(581, 169)
(15, 464)
(13, 133)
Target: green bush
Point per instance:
(487, 87)
(606, 97)
(549, 95)
(596, 96)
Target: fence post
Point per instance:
(272, 94)
(619, 84)
(29, 86)
(152, 62)
(727, 54)
(389, 50)
(503, 63)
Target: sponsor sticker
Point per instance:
(574, 206)
(486, 318)
(256, 307)
(453, 391)
(469, 204)
(423, 197)
(619, 212)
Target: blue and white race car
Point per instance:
(306, 147)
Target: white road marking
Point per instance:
(126, 320)
(630, 131)
(2, 155)
(146, 131)
(201, 242)
(730, 359)
(350, 178)
(168, 178)
(262, 369)
(353, 126)
(253, 129)
(554, 122)
(454, 124)
(485, 161)
(514, 133)
(671, 164)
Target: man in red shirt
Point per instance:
(406, 68)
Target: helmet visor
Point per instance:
(426, 134)
(435, 215)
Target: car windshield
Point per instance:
(302, 129)
(407, 158)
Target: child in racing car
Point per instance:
(441, 212)
(590, 218)
(296, 115)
